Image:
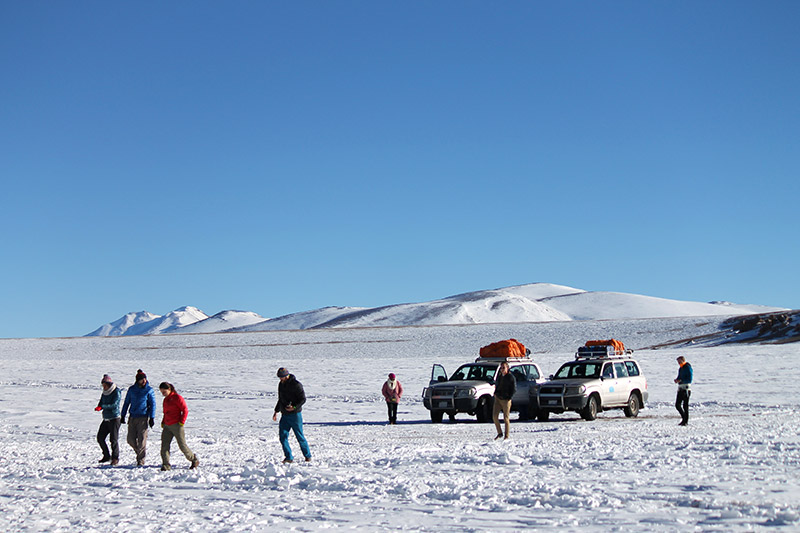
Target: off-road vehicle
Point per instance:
(603, 376)
(471, 388)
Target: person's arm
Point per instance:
(184, 410)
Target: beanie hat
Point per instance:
(107, 379)
(140, 375)
(282, 372)
(391, 376)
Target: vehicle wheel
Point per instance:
(543, 416)
(484, 409)
(436, 416)
(452, 416)
(632, 409)
(592, 407)
(533, 412)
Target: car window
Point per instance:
(621, 370)
(633, 370)
(519, 373)
(578, 370)
(533, 373)
(608, 371)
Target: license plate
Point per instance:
(443, 404)
(552, 402)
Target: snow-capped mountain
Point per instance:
(536, 302)
(139, 324)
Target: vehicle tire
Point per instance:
(543, 416)
(452, 416)
(592, 407)
(484, 409)
(533, 412)
(632, 409)
(436, 416)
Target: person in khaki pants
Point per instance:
(175, 414)
(504, 388)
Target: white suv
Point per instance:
(471, 388)
(600, 378)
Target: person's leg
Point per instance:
(180, 437)
(506, 405)
(389, 409)
(679, 403)
(496, 417)
(297, 427)
(393, 412)
(166, 442)
(283, 434)
(102, 433)
(686, 406)
(114, 438)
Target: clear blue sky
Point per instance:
(282, 156)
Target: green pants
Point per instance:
(167, 434)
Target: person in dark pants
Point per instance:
(291, 398)
(392, 391)
(504, 388)
(684, 381)
(109, 428)
(141, 400)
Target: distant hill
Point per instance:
(536, 302)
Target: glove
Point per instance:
(152, 422)
(98, 408)
(181, 423)
(122, 420)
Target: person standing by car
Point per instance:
(175, 414)
(684, 381)
(141, 399)
(109, 427)
(392, 391)
(291, 397)
(504, 388)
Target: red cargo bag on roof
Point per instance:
(509, 348)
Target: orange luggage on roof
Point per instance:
(509, 348)
(618, 345)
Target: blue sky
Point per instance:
(279, 157)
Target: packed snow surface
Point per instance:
(736, 467)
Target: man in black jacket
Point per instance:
(291, 398)
(504, 388)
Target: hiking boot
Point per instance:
(140, 463)
(287, 461)
(114, 462)
(195, 462)
(308, 459)
(499, 436)
(104, 460)
(164, 468)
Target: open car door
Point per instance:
(438, 374)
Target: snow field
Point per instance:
(734, 468)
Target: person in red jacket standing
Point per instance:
(392, 391)
(175, 414)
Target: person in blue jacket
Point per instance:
(141, 399)
(684, 381)
(109, 405)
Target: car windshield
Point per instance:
(477, 372)
(578, 370)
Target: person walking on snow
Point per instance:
(504, 388)
(684, 381)
(291, 398)
(141, 399)
(109, 427)
(392, 391)
(175, 414)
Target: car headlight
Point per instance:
(466, 393)
(578, 389)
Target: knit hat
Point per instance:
(391, 376)
(282, 372)
(140, 375)
(107, 379)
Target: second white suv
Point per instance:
(600, 378)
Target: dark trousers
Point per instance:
(392, 406)
(682, 404)
(109, 428)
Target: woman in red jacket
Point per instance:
(175, 413)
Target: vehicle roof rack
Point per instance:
(502, 359)
(601, 352)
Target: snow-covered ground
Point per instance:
(736, 466)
